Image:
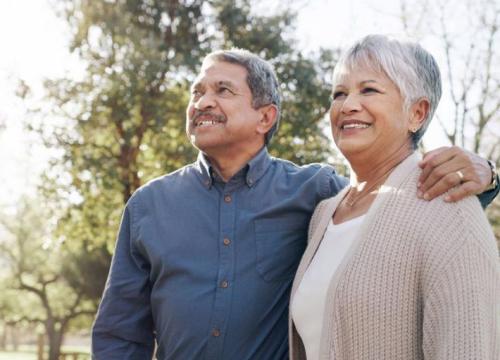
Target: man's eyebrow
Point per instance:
(368, 81)
(226, 83)
(197, 86)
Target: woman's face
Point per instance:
(367, 115)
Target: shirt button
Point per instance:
(226, 241)
(216, 332)
(224, 284)
(227, 198)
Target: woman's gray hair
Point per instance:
(409, 66)
(261, 79)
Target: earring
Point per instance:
(414, 129)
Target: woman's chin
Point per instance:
(350, 148)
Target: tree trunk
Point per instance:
(55, 338)
(40, 346)
(14, 337)
(3, 337)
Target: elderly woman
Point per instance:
(374, 283)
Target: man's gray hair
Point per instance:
(409, 66)
(261, 79)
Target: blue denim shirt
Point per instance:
(207, 266)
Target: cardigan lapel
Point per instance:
(325, 216)
(324, 213)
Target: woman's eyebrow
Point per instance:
(368, 81)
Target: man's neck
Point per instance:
(227, 165)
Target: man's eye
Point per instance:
(225, 91)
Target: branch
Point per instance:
(450, 136)
(27, 319)
(26, 287)
(51, 280)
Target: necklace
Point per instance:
(352, 199)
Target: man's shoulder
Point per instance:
(168, 182)
(293, 168)
(318, 178)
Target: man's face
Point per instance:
(220, 118)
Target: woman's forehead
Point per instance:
(360, 71)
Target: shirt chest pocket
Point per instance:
(280, 244)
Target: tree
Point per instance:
(470, 74)
(34, 261)
(123, 123)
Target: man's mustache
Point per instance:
(208, 114)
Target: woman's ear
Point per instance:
(269, 117)
(418, 114)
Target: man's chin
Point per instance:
(205, 145)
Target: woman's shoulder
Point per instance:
(443, 229)
(466, 213)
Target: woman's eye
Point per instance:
(369, 90)
(338, 94)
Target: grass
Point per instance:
(8, 355)
(29, 352)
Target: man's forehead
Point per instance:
(217, 70)
(222, 68)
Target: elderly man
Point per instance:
(206, 255)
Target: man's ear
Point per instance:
(268, 119)
(418, 113)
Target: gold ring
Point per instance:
(460, 175)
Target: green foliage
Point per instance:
(125, 119)
(36, 288)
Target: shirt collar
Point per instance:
(252, 172)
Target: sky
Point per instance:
(34, 47)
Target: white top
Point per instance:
(308, 305)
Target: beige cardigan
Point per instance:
(421, 280)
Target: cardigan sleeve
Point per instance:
(461, 309)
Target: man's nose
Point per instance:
(205, 101)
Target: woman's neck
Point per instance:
(369, 171)
(366, 181)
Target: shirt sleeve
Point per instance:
(488, 196)
(335, 183)
(461, 310)
(123, 328)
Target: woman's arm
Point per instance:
(462, 305)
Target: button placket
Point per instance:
(223, 292)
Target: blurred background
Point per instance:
(92, 102)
